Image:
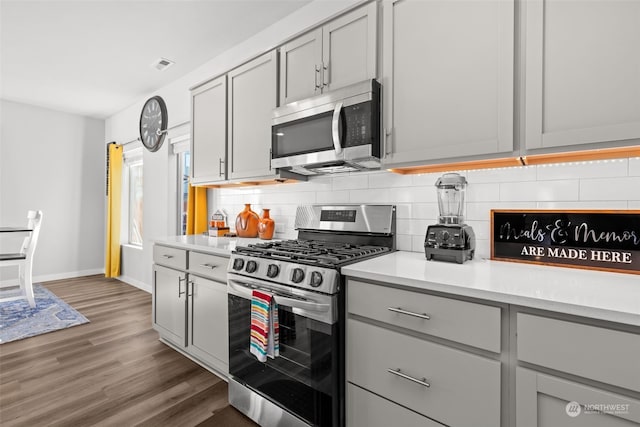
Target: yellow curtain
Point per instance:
(197, 221)
(114, 184)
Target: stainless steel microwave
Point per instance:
(334, 132)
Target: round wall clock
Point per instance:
(153, 123)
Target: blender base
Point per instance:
(451, 243)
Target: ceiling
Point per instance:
(94, 57)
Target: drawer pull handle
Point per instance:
(422, 382)
(409, 313)
(167, 256)
(211, 266)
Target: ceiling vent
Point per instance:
(162, 64)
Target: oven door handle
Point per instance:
(245, 291)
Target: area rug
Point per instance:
(18, 320)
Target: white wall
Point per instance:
(54, 162)
(607, 184)
(159, 169)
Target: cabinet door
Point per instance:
(209, 132)
(169, 304)
(547, 401)
(582, 73)
(448, 68)
(301, 68)
(252, 97)
(349, 48)
(208, 336)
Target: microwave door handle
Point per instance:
(335, 128)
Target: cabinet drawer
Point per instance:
(211, 266)
(170, 257)
(465, 322)
(464, 389)
(591, 352)
(366, 409)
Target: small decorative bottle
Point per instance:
(247, 222)
(266, 226)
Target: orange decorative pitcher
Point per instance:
(247, 222)
(266, 226)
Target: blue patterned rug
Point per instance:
(18, 320)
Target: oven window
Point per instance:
(303, 136)
(303, 379)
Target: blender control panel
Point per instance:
(446, 237)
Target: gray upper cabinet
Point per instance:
(340, 53)
(209, 132)
(253, 94)
(582, 72)
(448, 79)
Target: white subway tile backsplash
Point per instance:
(514, 174)
(483, 192)
(634, 166)
(599, 169)
(627, 188)
(598, 185)
(540, 190)
(590, 204)
(385, 180)
(350, 181)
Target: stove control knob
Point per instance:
(273, 270)
(251, 266)
(238, 263)
(316, 279)
(297, 275)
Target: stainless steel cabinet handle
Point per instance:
(409, 313)
(335, 128)
(211, 266)
(325, 75)
(190, 282)
(422, 382)
(180, 292)
(220, 163)
(317, 72)
(387, 142)
(167, 256)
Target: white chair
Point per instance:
(24, 259)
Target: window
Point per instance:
(136, 205)
(132, 232)
(184, 163)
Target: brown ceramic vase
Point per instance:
(247, 222)
(266, 226)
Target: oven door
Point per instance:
(304, 378)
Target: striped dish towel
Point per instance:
(265, 330)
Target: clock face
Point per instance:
(153, 123)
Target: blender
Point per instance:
(450, 240)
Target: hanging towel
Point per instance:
(265, 330)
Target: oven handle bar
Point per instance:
(245, 291)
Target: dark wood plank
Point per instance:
(112, 371)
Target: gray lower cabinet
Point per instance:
(549, 401)
(169, 304)
(398, 359)
(190, 304)
(582, 353)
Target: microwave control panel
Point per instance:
(358, 124)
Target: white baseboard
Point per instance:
(135, 282)
(51, 277)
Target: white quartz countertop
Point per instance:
(601, 295)
(213, 245)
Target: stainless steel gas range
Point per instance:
(304, 384)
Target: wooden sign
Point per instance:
(592, 239)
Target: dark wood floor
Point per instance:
(112, 371)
